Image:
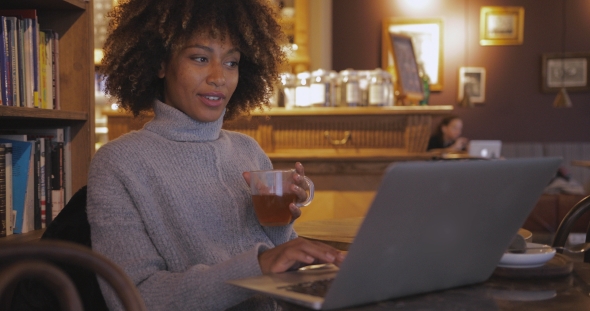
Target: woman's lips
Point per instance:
(212, 99)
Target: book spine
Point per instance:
(5, 73)
(9, 188)
(42, 183)
(42, 71)
(57, 182)
(13, 46)
(36, 71)
(56, 71)
(48, 199)
(2, 192)
(21, 63)
(37, 188)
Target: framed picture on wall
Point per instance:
(409, 84)
(427, 39)
(472, 82)
(568, 70)
(501, 25)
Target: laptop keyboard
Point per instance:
(316, 288)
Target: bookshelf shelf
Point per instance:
(72, 20)
(42, 114)
(45, 4)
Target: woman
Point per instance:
(447, 137)
(170, 203)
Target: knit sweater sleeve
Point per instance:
(117, 230)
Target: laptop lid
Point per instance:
(431, 226)
(490, 149)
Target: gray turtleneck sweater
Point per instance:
(169, 205)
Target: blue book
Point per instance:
(21, 156)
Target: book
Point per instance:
(28, 73)
(21, 172)
(5, 65)
(47, 74)
(12, 27)
(48, 190)
(42, 71)
(56, 93)
(8, 183)
(2, 191)
(36, 184)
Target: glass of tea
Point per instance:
(271, 195)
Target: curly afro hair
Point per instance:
(145, 33)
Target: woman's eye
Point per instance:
(200, 59)
(232, 64)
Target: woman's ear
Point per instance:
(162, 71)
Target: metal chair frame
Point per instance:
(567, 223)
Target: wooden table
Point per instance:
(568, 292)
(583, 163)
(341, 232)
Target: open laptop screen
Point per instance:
(490, 149)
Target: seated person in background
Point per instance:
(447, 137)
(170, 203)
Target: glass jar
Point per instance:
(380, 90)
(320, 87)
(350, 92)
(333, 88)
(302, 90)
(286, 90)
(364, 78)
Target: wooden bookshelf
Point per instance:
(73, 21)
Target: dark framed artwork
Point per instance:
(473, 81)
(409, 84)
(568, 70)
(428, 45)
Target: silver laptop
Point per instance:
(431, 226)
(489, 149)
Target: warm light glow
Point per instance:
(416, 5)
(295, 47)
(98, 55)
(114, 106)
(101, 130)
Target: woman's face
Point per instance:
(453, 130)
(200, 77)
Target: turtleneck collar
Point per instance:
(175, 125)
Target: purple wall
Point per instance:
(515, 110)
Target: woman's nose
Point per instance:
(216, 76)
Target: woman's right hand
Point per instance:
(296, 252)
(460, 144)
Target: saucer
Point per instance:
(531, 258)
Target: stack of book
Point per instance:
(35, 178)
(29, 61)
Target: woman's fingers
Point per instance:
(285, 256)
(295, 211)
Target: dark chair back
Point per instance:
(37, 261)
(70, 226)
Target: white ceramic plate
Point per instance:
(531, 258)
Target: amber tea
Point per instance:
(271, 195)
(273, 210)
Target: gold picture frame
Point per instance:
(501, 25)
(427, 38)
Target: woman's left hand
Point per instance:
(299, 188)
